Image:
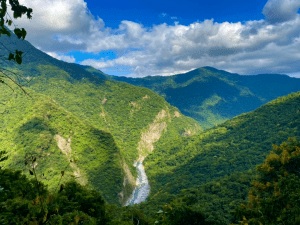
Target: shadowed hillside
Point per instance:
(41, 128)
(134, 117)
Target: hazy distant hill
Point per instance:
(212, 96)
(133, 118)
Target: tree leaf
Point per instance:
(18, 59)
(18, 32)
(24, 33)
(11, 56)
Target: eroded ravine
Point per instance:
(148, 137)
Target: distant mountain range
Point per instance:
(213, 96)
(201, 134)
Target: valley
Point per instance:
(165, 150)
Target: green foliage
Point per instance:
(213, 96)
(115, 110)
(78, 131)
(128, 215)
(275, 196)
(18, 11)
(20, 203)
(188, 161)
(31, 127)
(16, 195)
(220, 197)
(2, 158)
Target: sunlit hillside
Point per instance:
(213, 96)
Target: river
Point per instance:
(142, 189)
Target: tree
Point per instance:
(275, 196)
(18, 11)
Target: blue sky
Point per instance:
(140, 38)
(165, 11)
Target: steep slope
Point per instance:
(134, 116)
(60, 141)
(235, 145)
(212, 96)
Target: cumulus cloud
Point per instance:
(264, 46)
(278, 11)
(62, 57)
(58, 25)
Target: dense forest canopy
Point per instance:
(67, 152)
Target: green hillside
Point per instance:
(134, 117)
(41, 128)
(211, 173)
(236, 145)
(208, 181)
(213, 96)
(208, 177)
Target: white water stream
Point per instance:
(142, 188)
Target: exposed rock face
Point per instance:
(152, 134)
(148, 137)
(65, 146)
(146, 96)
(103, 101)
(177, 114)
(136, 106)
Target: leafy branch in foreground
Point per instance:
(18, 11)
(50, 203)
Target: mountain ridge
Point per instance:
(124, 111)
(214, 96)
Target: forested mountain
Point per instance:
(79, 132)
(217, 166)
(235, 145)
(213, 96)
(133, 118)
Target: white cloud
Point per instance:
(277, 11)
(265, 46)
(296, 75)
(53, 19)
(62, 57)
